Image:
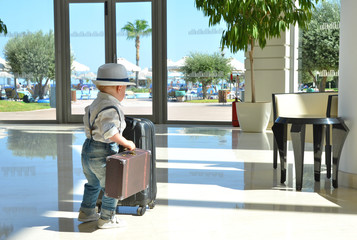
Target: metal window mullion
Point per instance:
(110, 32)
(159, 72)
(62, 58)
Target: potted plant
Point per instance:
(251, 23)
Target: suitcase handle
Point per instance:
(126, 152)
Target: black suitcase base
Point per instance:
(131, 210)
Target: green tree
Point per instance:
(3, 28)
(32, 56)
(135, 31)
(320, 43)
(254, 21)
(205, 69)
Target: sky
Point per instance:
(187, 29)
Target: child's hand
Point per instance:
(120, 140)
(130, 146)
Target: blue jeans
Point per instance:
(94, 155)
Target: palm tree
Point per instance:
(134, 31)
(3, 28)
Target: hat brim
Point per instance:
(112, 82)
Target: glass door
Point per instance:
(87, 51)
(109, 31)
(134, 51)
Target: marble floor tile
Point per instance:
(214, 182)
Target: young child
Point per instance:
(103, 128)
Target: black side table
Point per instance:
(298, 123)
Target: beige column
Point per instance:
(348, 90)
(275, 67)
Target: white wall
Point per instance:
(348, 90)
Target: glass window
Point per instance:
(319, 49)
(27, 64)
(203, 95)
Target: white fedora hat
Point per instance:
(112, 74)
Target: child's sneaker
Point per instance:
(111, 223)
(82, 217)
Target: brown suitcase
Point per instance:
(127, 173)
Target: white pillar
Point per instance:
(347, 91)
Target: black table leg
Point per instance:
(275, 155)
(280, 135)
(298, 140)
(318, 141)
(339, 134)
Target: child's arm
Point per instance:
(120, 140)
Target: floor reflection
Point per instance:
(204, 172)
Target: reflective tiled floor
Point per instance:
(214, 182)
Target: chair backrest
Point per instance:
(291, 104)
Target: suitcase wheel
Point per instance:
(151, 204)
(141, 211)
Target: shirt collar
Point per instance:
(108, 96)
